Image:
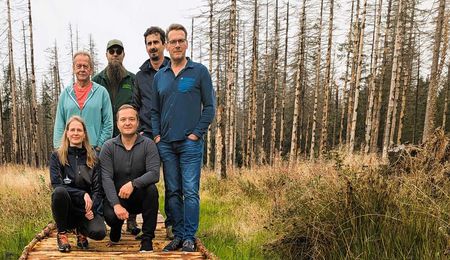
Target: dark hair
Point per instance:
(176, 26)
(155, 30)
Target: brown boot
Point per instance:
(63, 242)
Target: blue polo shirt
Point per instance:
(183, 104)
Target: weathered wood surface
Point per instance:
(43, 246)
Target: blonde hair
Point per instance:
(63, 150)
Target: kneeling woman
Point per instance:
(75, 176)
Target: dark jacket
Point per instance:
(119, 166)
(124, 95)
(80, 178)
(142, 95)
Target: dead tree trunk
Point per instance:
(346, 92)
(373, 76)
(283, 85)
(12, 78)
(377, 110)
(230, 86)
(317, 84)
(429, 123)
(251, 130)
(273, 125)
(326, 96)
(397, 48)
(354, 68)
(358, 78)
(298, 89)
(447, 90)
(219, 165)
(33, 102)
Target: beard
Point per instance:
(154, 55)
(115, 73)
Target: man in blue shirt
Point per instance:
(183, 108)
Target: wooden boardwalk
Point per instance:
(43, 246)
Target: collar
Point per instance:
(189, 64)
(118, 141)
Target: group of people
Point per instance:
(112, 133)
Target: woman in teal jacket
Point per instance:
(88, 100)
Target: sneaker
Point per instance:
(115, 233)
(63, 242)
(169, 233)
(146, 245)
(132, 225)
(82, 241)
(175, 244)
(188, 246)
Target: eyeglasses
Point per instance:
(119, 51)
(82, 66)
(179, 41)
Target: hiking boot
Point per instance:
(175, 244)
(188, 246)
(115, 233)
(146, 245)
(62, 240)
(132, 225)
(82, 241)
(169, 233)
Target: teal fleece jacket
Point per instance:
(96, 113)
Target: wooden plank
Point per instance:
(127, 248)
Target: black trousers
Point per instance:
(145, 201)
(67, 216)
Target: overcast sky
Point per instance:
(105, 19)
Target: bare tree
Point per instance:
(210, 66)
(394, 78)
(327, 85)
(273, 128)
(430, 111)
(373, 76)
(378, 103)
(219, 164)
(317, 83)
(347, 96)
(358, 78)
(283, 85)
(33, 101)
(12, 78)
(298, 87)
(230, 85)
(447, 90)
(251, 130)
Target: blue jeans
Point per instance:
(182, 162)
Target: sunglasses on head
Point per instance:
(115, 50)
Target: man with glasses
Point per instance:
(183, 107)
(120, 84)
(155, 42)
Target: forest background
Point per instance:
(295, 81)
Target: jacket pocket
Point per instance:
(186, 84)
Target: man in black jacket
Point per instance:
(130, 169)
(155, 42)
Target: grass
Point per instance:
(24, 200)
(338, 208)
